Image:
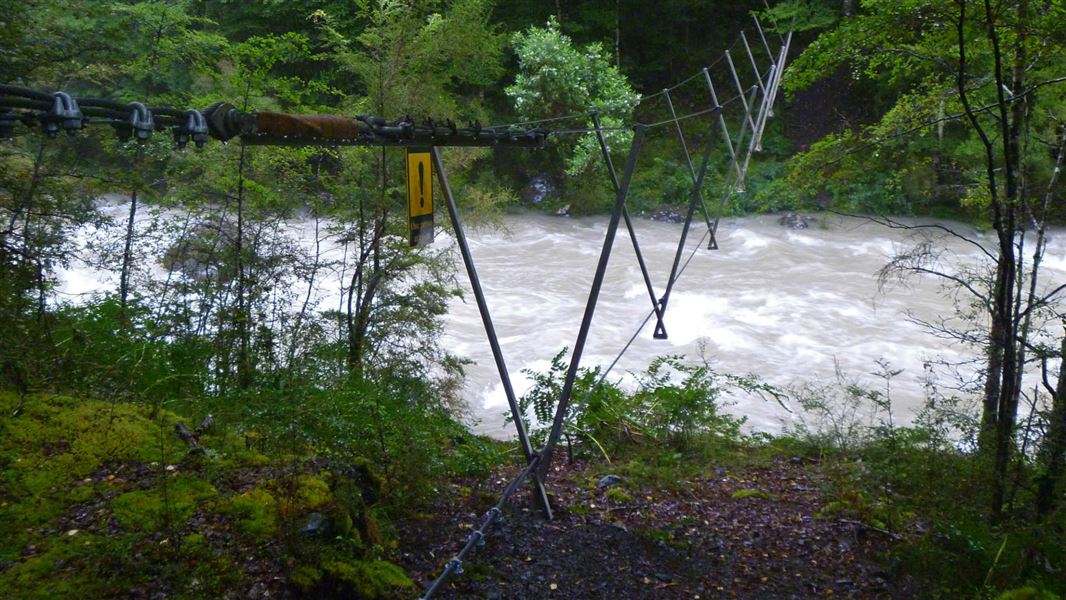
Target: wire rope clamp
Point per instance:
(8, 120)
(64, 115)
(140, 125)
(478, 538)
(193, 129)
(496, 514)
(455, 566)
(225, 122)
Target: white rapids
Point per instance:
(790, 306)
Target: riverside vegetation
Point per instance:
(223, 430)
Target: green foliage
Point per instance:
(556, 79)
(802, 15)
(412, 57)
(678, 410)
(676, 404)
(919, 154)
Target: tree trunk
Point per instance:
(245, 375)
(1053, 449)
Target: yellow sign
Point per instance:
(420, 196)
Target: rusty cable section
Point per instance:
(285, 126)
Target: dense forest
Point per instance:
(241, 415)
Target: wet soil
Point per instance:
(751, 532)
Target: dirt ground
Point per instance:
(751, 532)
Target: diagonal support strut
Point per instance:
(590, 306)
(490, 331)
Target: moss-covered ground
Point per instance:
(105, 499)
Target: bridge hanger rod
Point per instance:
(490, 331)
(659, 334)
(688, 157)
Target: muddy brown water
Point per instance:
(793, 306)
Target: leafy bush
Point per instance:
(675, 404)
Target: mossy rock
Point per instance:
(365, 579)
(159, 507)
(355, 490)
(305, 578)
(298, 496)
(618, 495)
(255, 511)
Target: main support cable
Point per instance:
(221, 121)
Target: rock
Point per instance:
(315, 525)
(667, 215)
(797, 460)
(564, 211)
(608, 481)
(795, 221)
(539, 189)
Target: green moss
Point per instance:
(369, 580)
(172, 505)
(255, 511)
(312, 493)
(618, 495)
(752, 493)
(305, 578)
(50, 444)
(1027, 593)
(193, 540)
(66, 566)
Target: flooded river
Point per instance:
(789, 305)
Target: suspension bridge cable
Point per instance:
(539, 121)
(477, 537)
(699, 113)
(636, 334)
(713, 64)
